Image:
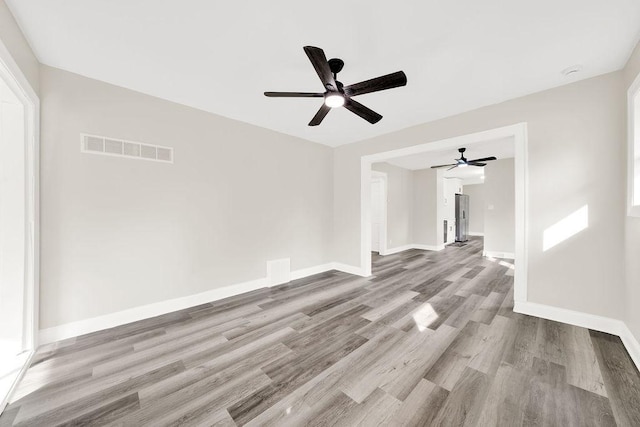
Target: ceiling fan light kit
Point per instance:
(337, 95)
(334, 100)
(463, 162)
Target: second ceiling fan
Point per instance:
(338, 95)
(463, 161)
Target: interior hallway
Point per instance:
(430, 339)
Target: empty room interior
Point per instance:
(365, 214)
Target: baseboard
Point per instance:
(306, 272)
(111, 320)
(473, 233)
(350, 269)
(632, 345)
(397, 249)
(81, 327)
(589, 321)
(413, 246)
(495, 254)
(428, 247)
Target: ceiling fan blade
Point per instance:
(379, 83)
(484, 159)
(362, 111)
(320, 115)
(319, 62)
(452, 167)
(444, 166)
(476, 164)
(293, 94)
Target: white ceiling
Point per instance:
(501, 148)
(221, 56)
(467, 175)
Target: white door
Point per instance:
(377, 200)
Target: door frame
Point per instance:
(520, 138)
(381, 176)
(13, 76)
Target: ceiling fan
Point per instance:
(463, 162)
(338, 95)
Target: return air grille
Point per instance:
(106, 146)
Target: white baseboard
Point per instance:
(350, 269)
(428, 247)
(589, 321)
(306, 272)
(391, 251)
(631, 344)
(85, 326)
(412, 246)
(473, 233)
(495, 254)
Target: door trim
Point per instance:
(519, 134)
(11, 73)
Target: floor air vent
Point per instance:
(106, 146)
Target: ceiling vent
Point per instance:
(106, 146)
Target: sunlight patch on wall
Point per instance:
(565, 228)
(424, 317)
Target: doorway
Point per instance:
(518, 133)
(19, 125)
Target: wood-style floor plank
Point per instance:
(429, 339)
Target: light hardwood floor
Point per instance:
(430, 339)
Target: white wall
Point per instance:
(476, 207)
(573, 131)
(399, 204)
(499, 215)
(119, 233)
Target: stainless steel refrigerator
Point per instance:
(462, 217)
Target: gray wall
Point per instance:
(499, 199)
(578, 124)
(476, 207)
(399, 204)
(427, 190)
(632, 227)
(120, 233)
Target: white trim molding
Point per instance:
(111, 320)
(13, 76)
(584, 320)
(428, 247)
(633, 145)
(350, 269)
(403, 248)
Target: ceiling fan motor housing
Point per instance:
(336, 64)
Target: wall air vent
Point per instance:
(106, 146)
